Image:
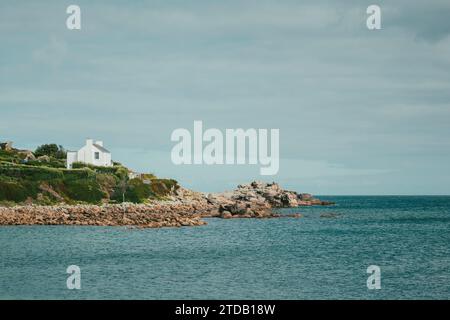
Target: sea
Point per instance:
(325, 254)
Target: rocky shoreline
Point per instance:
(183, 208)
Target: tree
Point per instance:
(51, 150)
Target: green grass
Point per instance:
(24, 181)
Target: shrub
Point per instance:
(6, 203)
(30, 172)
(84, 190)
(81, 165)
(137, 191)
(107, 170)
(53, 163)
(74, 174)
(163, 187)
(148, 176)
(17, 191)
(107, 183)
(106, 180)
(122, 173)
(133, 190)
(9, 156)
(51, 150)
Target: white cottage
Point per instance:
(92, 153)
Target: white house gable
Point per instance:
(92, 153)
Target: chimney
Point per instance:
(100, 143)
(89, 142)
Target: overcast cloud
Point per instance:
(359, 111)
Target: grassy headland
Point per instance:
(40, 177)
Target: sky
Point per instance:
(359, 111)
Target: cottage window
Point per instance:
(97, 155)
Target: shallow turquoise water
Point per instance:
(308, 258)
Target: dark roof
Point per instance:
(101, 148)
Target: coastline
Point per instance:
(183, 208)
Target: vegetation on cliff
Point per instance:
(40, 177)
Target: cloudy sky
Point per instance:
(359, 111)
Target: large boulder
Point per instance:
(226, 215)
(289, 199)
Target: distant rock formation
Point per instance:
(254, 200)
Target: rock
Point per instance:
(238, 208)
(328, 215)
(289, 200)
(43, 158)
(294, 215)
(226, 215)
(254, 185)
(305, 196)
(27, 155)
(147, 216)
(45, 187)
(6, 146)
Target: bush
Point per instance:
(137, 191)
(6, 163)
(107, 170)
(6, 203)
(30, 172)
(163, 187)
(51, 150)
(75, 174)
(9, 156)
(84, 190)
(133, 190)
(81, 165)
(122, 173)
(17, 191)
(107, 183)
(148, 176)
(53, 163)
(106, 180)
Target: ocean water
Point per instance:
(313, 257)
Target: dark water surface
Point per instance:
(314, 257)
